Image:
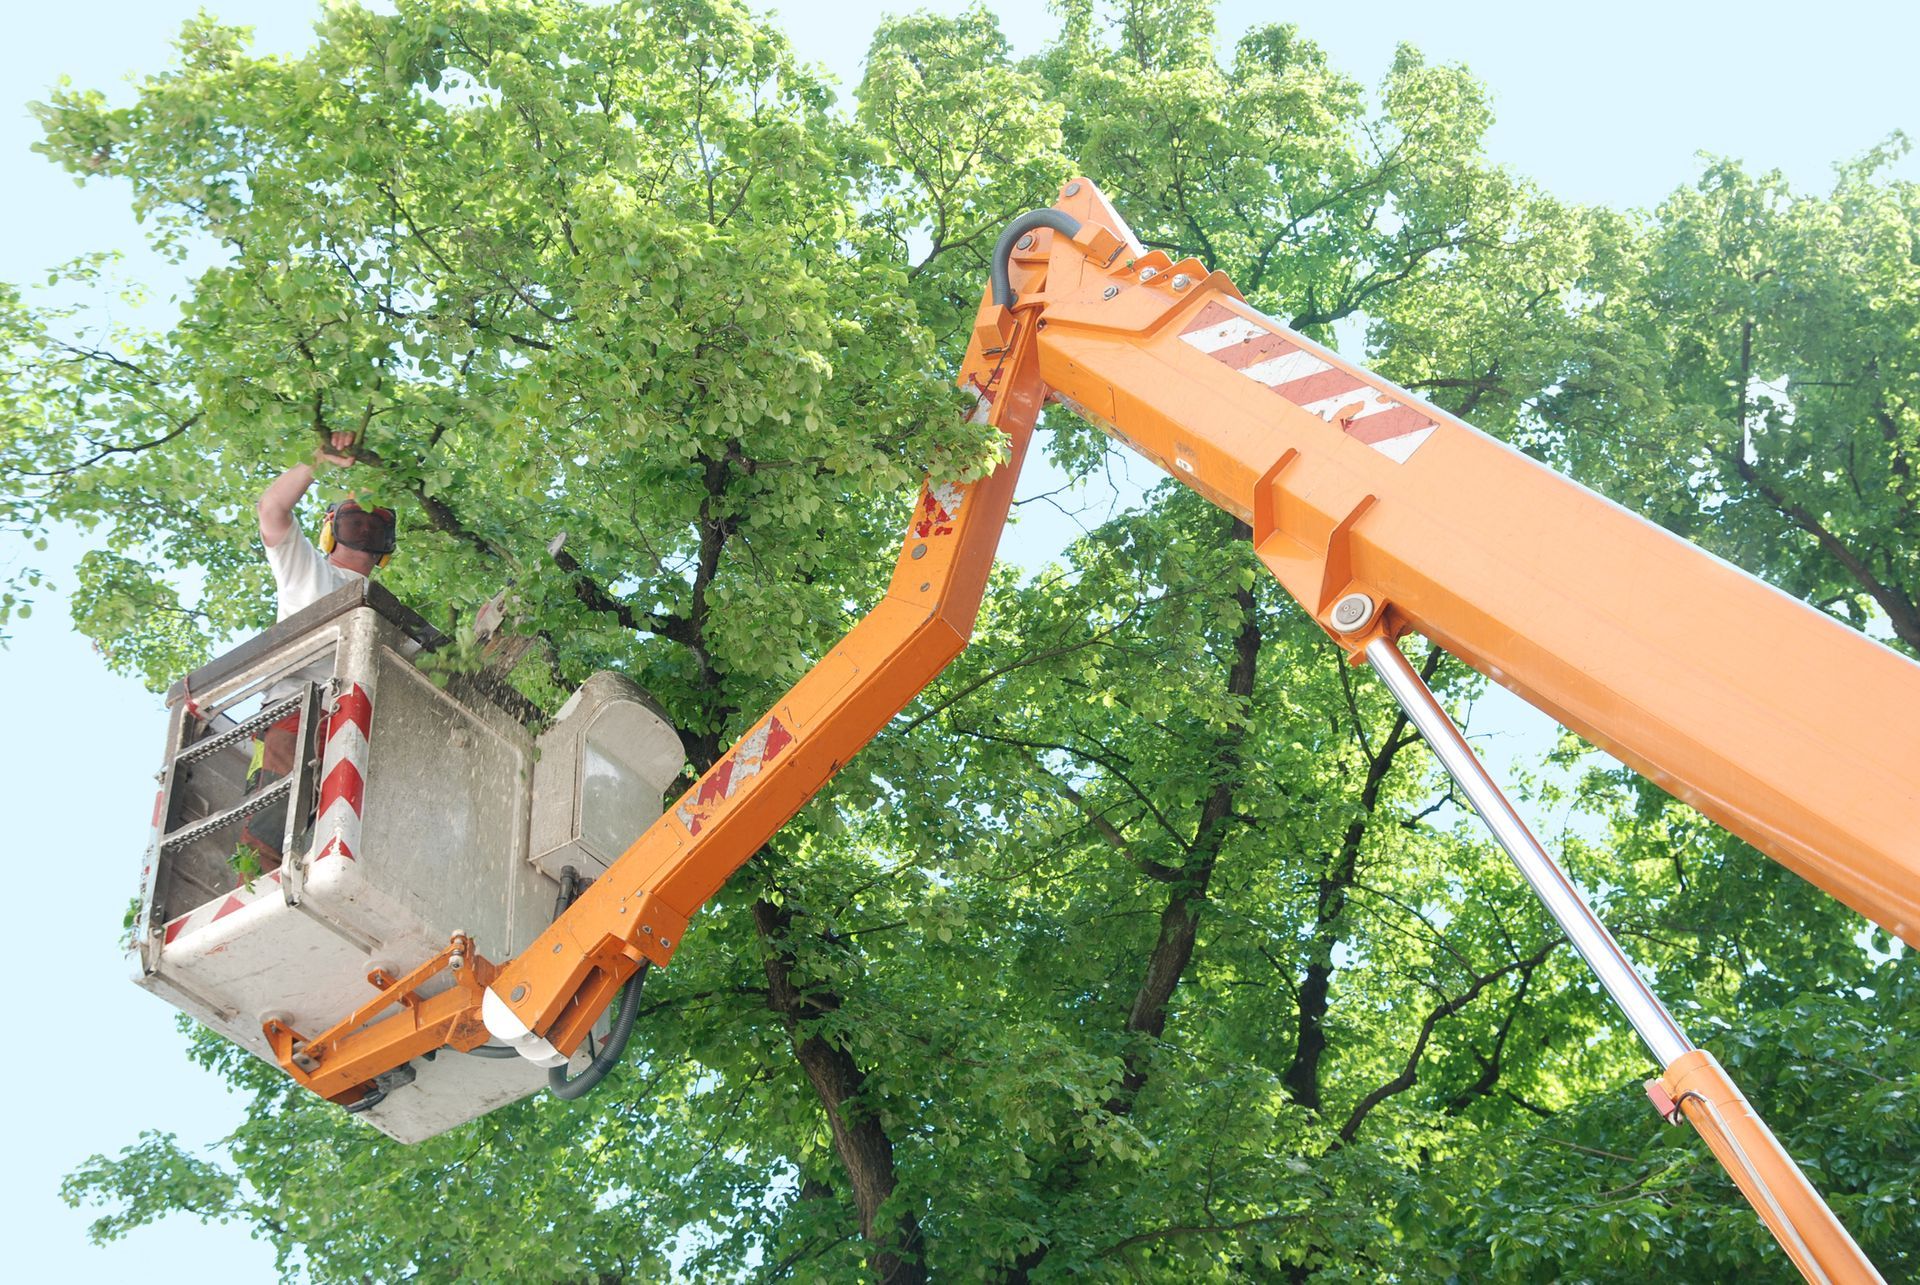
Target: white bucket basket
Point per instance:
(407, 818)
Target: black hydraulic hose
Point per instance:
(1003, 248)
(491, 1050)
(569, 889)
(566, 1087)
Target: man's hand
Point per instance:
(335, 452)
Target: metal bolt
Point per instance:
(556, 947)
(665, 943)
(1110, 292)
(647, 929)
(519, 993)
(919, 550)
(1025, 242)
(1148, 274)
(925, 585)
(1181, 281)
(1073, 188)
(1351, 612)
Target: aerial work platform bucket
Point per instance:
(411, 812)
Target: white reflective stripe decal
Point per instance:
(220, 907)
(1399, 448)
(1326, 406)
(1224, 335)
(1374, 407)
(1285, 369)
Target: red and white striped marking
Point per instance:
(1363, 409)
(939, 507)
(343, 786)
(343, 775)
(755, 751)
(220, 907)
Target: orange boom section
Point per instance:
(1795, 732)
(639, 909)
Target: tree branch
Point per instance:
(70, 469)
(1410, 1073)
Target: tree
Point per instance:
(591, 270)
(1763, 337)
(1148, 942)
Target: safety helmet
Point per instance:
(368, 530)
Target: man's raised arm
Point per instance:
(275, 506)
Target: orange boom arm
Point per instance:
(1380, 515)
(638, 910)
(1795, 732)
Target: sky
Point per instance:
(1598, 103)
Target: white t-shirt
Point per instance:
(302, 573)
(303, 576)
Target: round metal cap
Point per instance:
(1351, 612)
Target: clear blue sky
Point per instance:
(1603, 104)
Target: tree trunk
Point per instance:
(1180, 921)
(865, 1151)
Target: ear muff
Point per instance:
(368, 530)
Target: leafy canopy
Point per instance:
(1148, 942)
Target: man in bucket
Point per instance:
(353, 541)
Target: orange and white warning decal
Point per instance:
(1364, 408)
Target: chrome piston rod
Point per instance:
(1655, 1026)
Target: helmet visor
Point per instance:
(368, 530)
